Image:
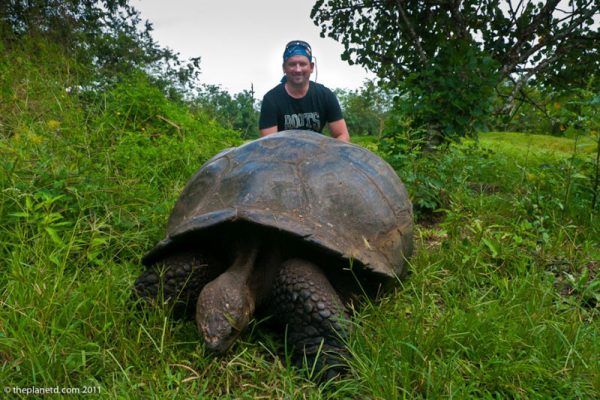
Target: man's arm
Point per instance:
(339, 130)
(268, 131)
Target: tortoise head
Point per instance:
(224, 309)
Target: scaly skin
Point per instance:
(177, 280)
(316, 319)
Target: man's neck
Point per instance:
(296, 92)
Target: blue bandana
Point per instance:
(297, 49)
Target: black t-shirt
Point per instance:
(311, 112)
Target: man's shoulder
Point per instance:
(276, 91)
(320, 89)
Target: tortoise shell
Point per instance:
(335, 195)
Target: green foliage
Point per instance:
(422, 42)
(29, 107)
(453, 95)
(365, 108)
(580, 114)
(108, 37)
(83, 152)
(569, 113)
(430, 176)
(238, 112)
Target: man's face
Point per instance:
(298, 69)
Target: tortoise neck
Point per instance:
(255, 266)
(244, 261)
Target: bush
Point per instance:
(453, 97)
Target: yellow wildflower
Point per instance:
(53, 124)
(34, 138)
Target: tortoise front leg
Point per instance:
(177, 280)
(317, 322)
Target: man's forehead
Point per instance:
(296, 59)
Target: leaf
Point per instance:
(579, 176)
(490, 246)
(19, 215)
(54, 236)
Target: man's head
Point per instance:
(297, 62)
(297, 48)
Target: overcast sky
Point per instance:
(241, 42)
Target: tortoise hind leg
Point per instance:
(317, 322)
(176, 280)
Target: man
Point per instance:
(299, 103)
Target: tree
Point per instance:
(107, 35)
(238, 112)
(431, 48)
(365, 108)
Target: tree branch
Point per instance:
(463, 31)
(526, 98)
(513, 13)
(509, 105)
(422, 56)
(513, 53)
(551, 40)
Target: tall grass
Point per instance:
(498, 303)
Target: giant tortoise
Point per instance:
(296, 226)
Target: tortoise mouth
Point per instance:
(219, 345)
(218, 329)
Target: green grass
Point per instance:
(481, 314)
(498, 303)
(539, 144)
